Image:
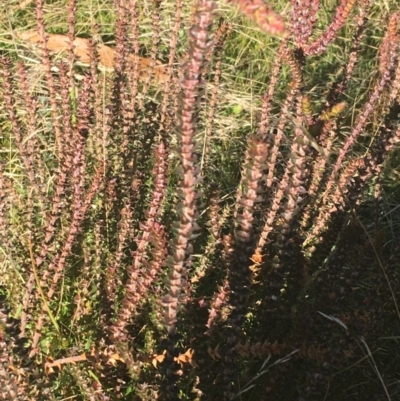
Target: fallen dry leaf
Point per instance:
(60, 43)
(158, 359)
(181, 359)
(113, 359)
(50, 364)
(187, 357)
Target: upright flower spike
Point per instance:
(261, 13)
(342, 13)
(303, 20)
(199, 44)
(185, 225)
(49, 77)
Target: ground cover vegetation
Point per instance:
(199, 200)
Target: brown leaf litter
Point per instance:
(106, 54)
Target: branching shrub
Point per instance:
(169, 231)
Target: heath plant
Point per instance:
(199, 200)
